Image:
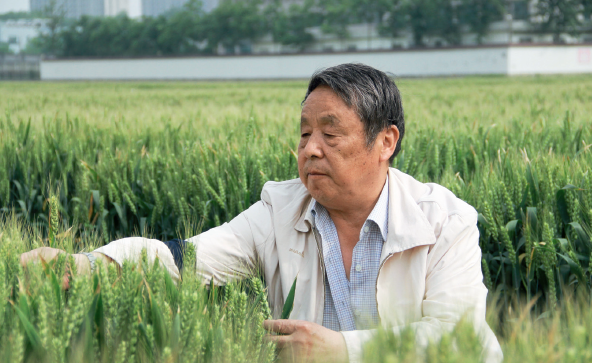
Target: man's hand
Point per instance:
(304, 341)
(48, 254)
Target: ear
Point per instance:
(390, 137)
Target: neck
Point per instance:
(356, 211)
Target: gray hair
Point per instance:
(373, 95)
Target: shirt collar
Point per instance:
(378, 215)
(408, 226)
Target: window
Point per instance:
(525, 40)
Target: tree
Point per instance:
(371, 12)
(337, 15)
(432, 18)
(232, 24)
(587, 9)
(173, 33)
(50, 42)
(289, 26)
(558, 17)
(393, 20)
(15, 15)
(479, 14)
(5, 48)
(180, 32)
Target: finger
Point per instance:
(279, 340)
(282, 326)
(66, 282)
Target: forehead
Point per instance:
(323, 102)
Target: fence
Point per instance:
(501, 60)
(19, 67)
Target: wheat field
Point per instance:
(169, 160)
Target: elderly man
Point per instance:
(370, 245)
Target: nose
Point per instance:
(313, 147)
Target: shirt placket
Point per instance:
(340, 287)
(357, 276)
(336, 274)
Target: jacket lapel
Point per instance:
(408, 226)
(305, 220)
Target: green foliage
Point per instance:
(137, 315)
(479, 14)
(289, 27)
(234, 25)
(558, 17)
(15, 15)
(432, 18)
(117, 175)
(289, 303)
(5, 48)
(390, 347)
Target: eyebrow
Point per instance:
(329, 119)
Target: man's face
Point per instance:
(334, 162)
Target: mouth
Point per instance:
(315, 174)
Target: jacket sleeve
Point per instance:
(454, 290)
(223, 253)
(230, 250)
(131, 248)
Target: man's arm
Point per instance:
(223, 253)
(48, 254)
(230, 251)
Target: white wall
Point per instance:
(399, 63)
(549, 60)
(21, 31)
(416, 63)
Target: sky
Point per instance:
(23, 5)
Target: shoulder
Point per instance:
(440, 206)
(288, 201)
(285, 195)
(283, 191)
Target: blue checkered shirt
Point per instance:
(351, 305)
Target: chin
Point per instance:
(318, 193)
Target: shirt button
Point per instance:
(366, 229)
(357, 312)
(359, 267)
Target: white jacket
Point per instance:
(430, 268)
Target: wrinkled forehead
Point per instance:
(324, 108)
(324, 101)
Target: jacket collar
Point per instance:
(408, 226)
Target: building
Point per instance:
(17, 33)
(70, 8)
(115, 7)
(156, 8)
(209, 5)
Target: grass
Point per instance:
(153, 158)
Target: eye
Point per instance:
(329, 135)
(305, 134)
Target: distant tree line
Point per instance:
(235, 24)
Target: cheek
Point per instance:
(351, 162)
(301, 162)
